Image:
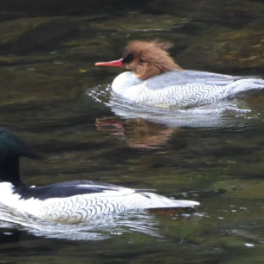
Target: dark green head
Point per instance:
(11, 149)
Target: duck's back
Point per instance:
(80, 201)
(182, 88)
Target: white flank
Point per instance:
(81, 208)
(182, 88)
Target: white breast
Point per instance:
(12, 200)
(123, 82)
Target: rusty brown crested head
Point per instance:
(146, 58)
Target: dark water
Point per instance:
(49, 87)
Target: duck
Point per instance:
(67, 202)
(154, 79)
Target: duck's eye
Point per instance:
(128, 58)
(141, 61)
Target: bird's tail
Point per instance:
(161, 202)
(246, 85)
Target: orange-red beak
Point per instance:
(116, 63)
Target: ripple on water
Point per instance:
(98, 229)
(233, 113)
(103, 227)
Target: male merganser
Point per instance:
(67, 202)
(156, 80)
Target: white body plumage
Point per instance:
(84, 207)
(182, 89)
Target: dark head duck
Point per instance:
(11, 149)
(67, 202)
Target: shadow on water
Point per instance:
(47, 54)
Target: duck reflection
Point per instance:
(225, 114)
(139, 133)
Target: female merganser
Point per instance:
(68, 202)
(156, 80)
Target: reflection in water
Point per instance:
(223, 114)
(150, 128)
(139, 133)
(39, 96)
(100, 228)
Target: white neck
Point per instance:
(125, 80)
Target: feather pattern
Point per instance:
(183, 89)
(99, 199)
(67, 202)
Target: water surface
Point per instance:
(49, 91)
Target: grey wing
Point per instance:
(190, 77)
